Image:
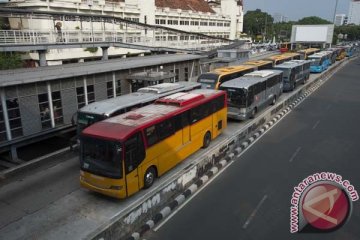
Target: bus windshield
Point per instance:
(208, 80)
(86, 119)
(286, 73)
(236, 97)
(314, 61)
(101, 157)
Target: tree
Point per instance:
(312, 20)
(258, 23)
(9, 60)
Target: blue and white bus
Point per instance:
(248, 94)
(319, 62)
(294, 73)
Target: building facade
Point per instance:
(340, 19)
(220, 18)
(354, 12)
(35, 103)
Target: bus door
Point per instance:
(185, 127)
(134, 155)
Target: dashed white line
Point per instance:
(294, 154)
(251, 217)
(316, 124)
(192, 196)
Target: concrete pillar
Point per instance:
(51, 107)
(14, 155)
(42, 58)
(5, 113)
(114, 84)
(85, 91)
(81, 60)
(105, 55)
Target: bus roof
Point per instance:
(303, 61)
(290, 64)
(309, 50)
(232, 69)
(257, 62)
(250, 79)
(277, 57)
(119, 127)
(147, 94)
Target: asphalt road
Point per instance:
(251, 198)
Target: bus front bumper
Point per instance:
(108, 187)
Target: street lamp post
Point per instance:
(90, 3)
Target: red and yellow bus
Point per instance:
(284, 47)
(121, 155)
(213, 79)
(305, 53)
(278, 59)
(260, 64)
(293, 55)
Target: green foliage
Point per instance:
(258, 23)
(10, 60)
(312, 20)
(91, 49)
(351, 32)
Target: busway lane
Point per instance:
(250, 200)
(79, 211)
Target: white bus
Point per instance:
(248, 94)
(294, 73)
(101, 110)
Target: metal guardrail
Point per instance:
(37, 37)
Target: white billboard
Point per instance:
(312, 33)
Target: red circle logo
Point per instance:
(325, 206)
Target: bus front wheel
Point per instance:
(207, 140)
(273, 101)
(149, 177)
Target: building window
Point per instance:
(162, 21)
(194, 23)
(57, 108)
(80, 97)
(220, 24)
(2, 126)
(186, 74)
(91, 94)
(177, 75)
(14, 117)
(157, 21)
(44, 110)
(203, 23)
(110, 88)
(118, 87)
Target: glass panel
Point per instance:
(101, 157)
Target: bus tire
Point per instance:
(207, 139)
(253, 113)
(149, 177)
(273, 101)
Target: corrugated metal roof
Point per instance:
(31, 75)
(193, 5)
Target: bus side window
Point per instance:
(218, 104)
(250, 95)
(151, 135)
(181, 121)
(165, 129)
(134, 152)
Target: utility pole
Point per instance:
(336, 3)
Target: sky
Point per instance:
(297, 9)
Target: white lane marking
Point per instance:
(294, 154)
(191, 197)
(252, 215)
(316, 124)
